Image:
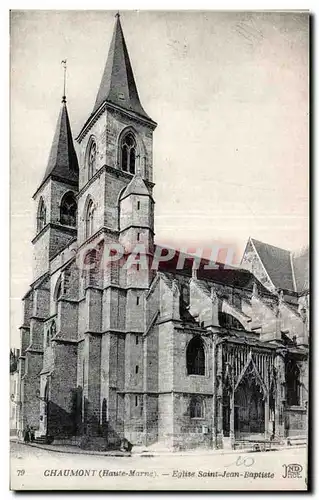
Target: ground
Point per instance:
(34, 468)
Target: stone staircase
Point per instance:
(41, 440)
(297, 441)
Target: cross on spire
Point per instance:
(63, 62)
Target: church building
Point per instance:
(180, 358)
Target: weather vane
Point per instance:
(63, 62)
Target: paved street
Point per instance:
(34, 468)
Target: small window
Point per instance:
(137, 267)
(136, 339)
(196, 407)
(89, 219)
(137, 301)
(92, 160)
(138, 205)
(41, 219)
(138, 236)
(136, 369)
(136, 400)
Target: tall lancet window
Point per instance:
(128, 153)
(68, 210)
(195, 357)
(92, 159)
(89, 220)
(41, 217)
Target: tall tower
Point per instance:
(114, 204)
(56, 197)
(115, 142)
(55, 228)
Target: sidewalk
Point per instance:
(75, 450)
(140, 451)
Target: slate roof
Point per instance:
(301, 270)
(277, 262)
(136, 186)
(118, 84)
(63, 162)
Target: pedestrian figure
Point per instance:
(27, 434)
(32, 435)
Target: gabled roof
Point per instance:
(118, 84)
(63, 161)
(277, 262)
(136, 186)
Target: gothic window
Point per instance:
(91, 159)
(68, 210)
(52, 329)
(196, 407)
(195, 357)
(128, 153)
(41, 215)
(292, 383)
(89, 219)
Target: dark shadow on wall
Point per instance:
(82, 421)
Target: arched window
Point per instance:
(68, 210)
(52, 329)
(128, 153)
(292, 383)
(91, 159)
(197, 407)
(89, 219)
(195, 356)
(41, 218)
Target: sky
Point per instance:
(229, 92)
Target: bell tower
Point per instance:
(56, 197)
(115, 142)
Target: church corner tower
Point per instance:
(56, 197)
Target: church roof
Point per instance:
(118, 84)
(63, 161)
(277, 262)
(136, 186)
(301, 270)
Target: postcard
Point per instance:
(159, 250)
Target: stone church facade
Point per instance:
(185, 358)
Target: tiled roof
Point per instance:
(63, 161)
(118, 84)
(277, 263)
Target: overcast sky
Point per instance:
(229, 92)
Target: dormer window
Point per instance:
(128, 153)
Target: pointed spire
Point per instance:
(118, 84)
(63, 161)
(136, 186)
